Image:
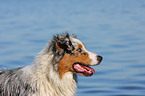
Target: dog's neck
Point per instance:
(48, 81)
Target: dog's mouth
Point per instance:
(83, 69)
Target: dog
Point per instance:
(53, 72)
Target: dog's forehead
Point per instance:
(76, 42)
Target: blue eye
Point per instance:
(79, 50)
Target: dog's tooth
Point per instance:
(90, 71)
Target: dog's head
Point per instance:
(71, 55)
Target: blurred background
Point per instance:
(114, 29)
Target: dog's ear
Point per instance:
(62, 47)
(59, 45)
(59, 48)
(65, 44)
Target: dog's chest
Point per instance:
(59, 87)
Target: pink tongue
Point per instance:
(82, 68)
(90, 69)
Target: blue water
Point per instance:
(114, 29)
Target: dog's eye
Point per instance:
(79, 50)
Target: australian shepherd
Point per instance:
(53, 72)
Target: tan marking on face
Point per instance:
(65, 64)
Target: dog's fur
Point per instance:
(53, 72)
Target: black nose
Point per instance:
(99, 58)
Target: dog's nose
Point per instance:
(99, 58)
